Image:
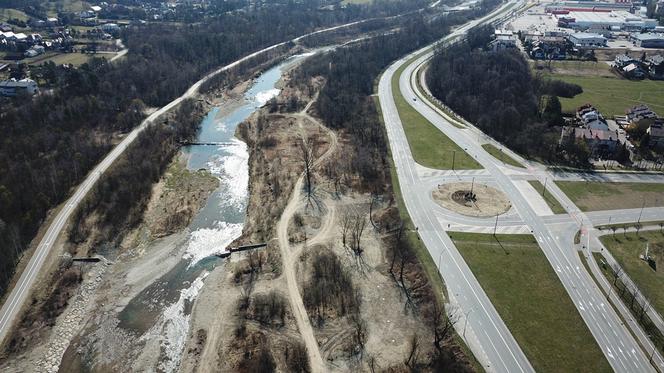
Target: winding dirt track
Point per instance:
(290, 254)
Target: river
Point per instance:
(163, 310)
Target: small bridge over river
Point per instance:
(205, 143)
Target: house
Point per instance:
(585, 39)
(588, 117)
(656, 133)
(5, 27)
(36, 50)
(633, 71)
(623, 60)
(85, 14)
(110, 27)
(648, 40)
(655, 66)
(13, 87)
(639, 112)
(504, 39)
(593, 129)
(52, 21)
(602, 143)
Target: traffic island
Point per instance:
(471, 199)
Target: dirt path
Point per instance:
(290, 254)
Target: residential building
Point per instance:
(503, 39)
(110, 27)
(656, 133)
(15, 87)
(655, 66)
(639, 112)
(585, 39)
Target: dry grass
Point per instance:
(593, 196)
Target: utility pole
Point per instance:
(453, 157)
(472, 184)
(495, 227)
(544, 188)
(638, 221)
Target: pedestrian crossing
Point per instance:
(510, 229)
(430, 173)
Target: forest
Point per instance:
(119, 199)
(51, 142)
(497, 92)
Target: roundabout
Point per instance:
(471, 199)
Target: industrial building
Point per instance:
(584, 39)
(13, 87)
(648, 40)
(612, 20)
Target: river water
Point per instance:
(163, 310)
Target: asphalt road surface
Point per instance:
(491, 341)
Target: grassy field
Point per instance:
(593, 196)
(499, 154)
(66, 6)
(626, 249)
(528, 295)
(430, 147)
(574, 68)
(612, 95)
(9, 13)
(553, 203)
(75, 59)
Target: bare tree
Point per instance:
(307, 157)
(645, 305)
(442, 326)
(356, 230)
(413, 351)
(614, 229)
(617, 272)
(346, 223)
(359, 333)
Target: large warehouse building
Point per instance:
(648, 40)
(615, 20)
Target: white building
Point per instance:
(504, 39)
(611, 20)
(15, 87)
(585, 39)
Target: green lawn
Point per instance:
(9, 13)
(75, 59)
(612, 95)
(430, 147)
(575, 68)
(529, 297)
(593, 196)
(499, 154)
(553, 203)
(626, 248)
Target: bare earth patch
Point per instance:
(487, 201)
